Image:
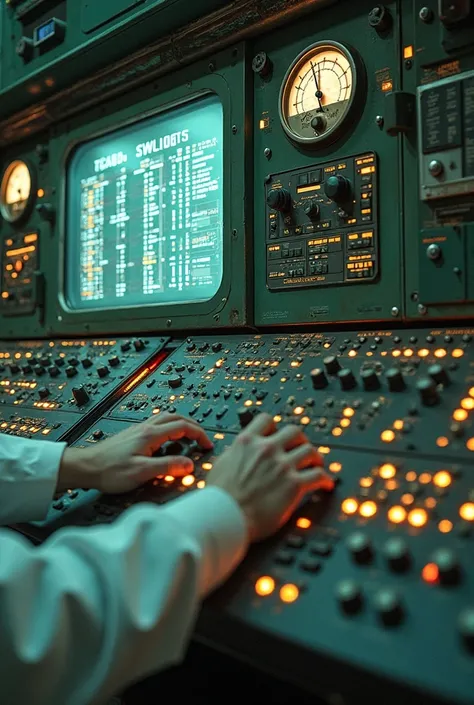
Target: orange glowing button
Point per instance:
(298, 410)
(396, 353)
(430, 573)
(391, 485)
(411, 476)
(467, 403)
(387, 471)
(337, 431)
(264, 586)
(289, 593)
(348, 412)
(345, 423)
(466, 511)
(424, 352)
(457, 352)
(425, 478)
(366, 482)
(398, 425)
(277, 418)
(368, 509)
(441, 352)
(201, 484)
(303, 523)
(442, 479)
(305, 420)
(445, 526)
(418, 517)
(350, 505)
(169, 478)
(408, 352)
(188, 480)
(442, 442)
(470, 444)
(324, 450)
(397, 514)
(207, 466)
(460, 415)
(430, 502)
(352, 353)
(471, 392)
(335, 467)
(387, 436)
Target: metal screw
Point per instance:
(394, 311)
(426, 15)
(415, 296)
(168, 322)
(267, 153)
(234, 129)
(422, 310)
(433, 251)
(456, 271)
(379, 120)
(60, 318)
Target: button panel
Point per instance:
(18, 280)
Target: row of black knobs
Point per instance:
(427, 386)
(336, 188)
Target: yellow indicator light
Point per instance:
(424, 352)
(467, 403)
(407, 499)
(219, 436)
(289, 593)
(470, 444)
(348, 412)
(442, 479)
(264, 586)
(430, 502)
(352, 353)
(460, 415)
(466, 511)
(396, 353)
(398, 425)
(324, 450)
(345, 423)
(366, 482)
(417, 517)
(169, 478)
(408, 52)
(368, 509)
(188, 480)
(303, 523)
(350, 505)
(336, 431)
(457, 352)
(408, 352)
(305, 420)
(207, 466)
(277, 418)
(201, 484)
(391, 485)
(471, 392)
(397, 514)
(249, 402)
(387, 436)
(335, 467)
(442, 442)
(387, 471)
(425, 478)
(445, 526)
(298, 410)
(441, 352)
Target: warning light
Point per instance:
(349, 505)
(264, 586)
(417, 518)
(445, 526)
(289, 593)
(188, 480)
(387, 436)
(368, 509)
(430, 573)
(397, 514)
(466, 511)
(387, 471)
(442, 479)
(303, 523)
(40, 193)
(408, 52)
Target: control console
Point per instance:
(19, 278)
(322, 224)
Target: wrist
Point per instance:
(76, 469)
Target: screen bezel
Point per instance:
(229, 306)
(65, 290)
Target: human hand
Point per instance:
(268, 472)
(123, 462)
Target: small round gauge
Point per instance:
(16, 191)
(318, 93)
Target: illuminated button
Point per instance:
(335, 467)
(430, 573)
(423, 352)
(303, 523)
(424, 478)
(457, 352)
(448, 566)
(418, 517)
(264, 586)
(206, 466)
(348, 412)
(466, 511)
(397, 514)
(350, 506)
(445, 526)
(441, 352)
(169, 478)
(387, 471)
(298, 410)
(188, 480)
(349, 596)
(460, 415)
(397, 554)
(366, 482)
(201, 484)
(388, 606)
(442, 479)
(360, 547)
(289, 593)
(470, 444)
(387, 436)
(305, 420)
(467, 403)
(368, 509)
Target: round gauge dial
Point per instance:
(317, 94)
(16, 192)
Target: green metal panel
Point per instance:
(380, 54)
(442, 273)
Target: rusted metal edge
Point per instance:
(239, 21)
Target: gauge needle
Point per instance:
(318, 92)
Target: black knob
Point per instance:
(125, 347)
(191, 346)
(81, 395)
(54, 371)
(318, 123)
(347, 379)
(14, 369)
(46, 212)
(43, 392)
(114, 361)
(397, 554)
(175, 381)
(370, 380)
(39, 370)
(338, 188)
(395, 380)
(24, 48)
(59, 361)
(103, 371)
(279, 199)
(389, 607)
(466, 627)
(448, 566)
(428, 392)
(73, 361)
(216, 347)
(438, 374)
(349, 596)
(245, 416)
(360, 547)
(71, 371)
(319, 379)
(97, 434)
(312, 210)
(332, 364)
(86, 362)
(26, 369)
(45, 361)
(183, 447)
(138, 344)
(380, 19)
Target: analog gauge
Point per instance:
(318, 93)
(16, 191)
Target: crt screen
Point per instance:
(144, 212)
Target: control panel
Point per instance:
(19, 282)
(47, 387)
(387, 554)
(322, 224)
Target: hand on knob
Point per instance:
(268, 472)
(124, 462)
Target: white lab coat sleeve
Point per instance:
(94, 609)
(28, 477)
